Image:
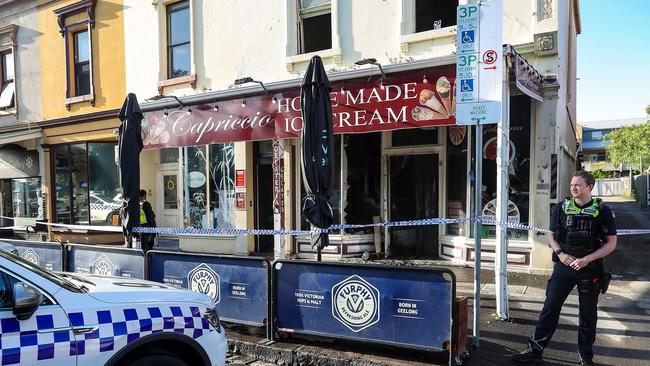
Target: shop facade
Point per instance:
(399, 155)
(224, 155)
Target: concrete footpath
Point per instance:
(623, 327)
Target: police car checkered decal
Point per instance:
(41, 339)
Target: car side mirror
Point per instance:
(26, 300)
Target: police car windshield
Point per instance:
(48, 275)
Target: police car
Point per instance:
(57, 319)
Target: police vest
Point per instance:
(577, 234)
(143, 217)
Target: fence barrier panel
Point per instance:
(409, 307)
(239, 285)
(105, 260)
(48, 255)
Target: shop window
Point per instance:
(76, 22)
(179, 57)
(195, 190)
(456, 178)
(414, 136)
(27, 197)
(358, 164)
(434, 14)
(363, 172)
(86, 186)
(222, 185)
(518, 170)
(105, 192)
(335, 198)
(314, 25)
(8, 84)
(81, 63)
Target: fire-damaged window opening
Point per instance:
(358, 171)
(434, 14)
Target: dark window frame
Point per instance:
(77, 68)
(70, 193)
(4, 53)
(170, 10)
(67, 31)
(451, 17)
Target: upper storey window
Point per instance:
(179, 59)
(315, 25)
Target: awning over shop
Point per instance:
(411, 99)
(527, 79)
(16, 136)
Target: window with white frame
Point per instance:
(179, 59)
(7, 81)
(434, 14)
(314, 25)
(7, 93)
(424, 20)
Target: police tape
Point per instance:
(315, 230)
(338, 227)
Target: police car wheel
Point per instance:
(158, 360)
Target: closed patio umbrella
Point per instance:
(130, 145)
(317, 148)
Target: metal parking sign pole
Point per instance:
(478, 183)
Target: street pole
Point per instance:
(478, 205)
(503, 159)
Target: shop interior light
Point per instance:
(249, 79)
(373, 61)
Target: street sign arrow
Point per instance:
(490, 68)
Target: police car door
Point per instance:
(44, 339)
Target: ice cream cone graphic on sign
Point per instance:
(443, 87)
(428, 98)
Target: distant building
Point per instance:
(590, 136)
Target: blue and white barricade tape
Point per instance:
(331, 229)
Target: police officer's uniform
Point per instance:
(147, 219)
(580, 230)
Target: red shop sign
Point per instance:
(358, 106)
(240, 178)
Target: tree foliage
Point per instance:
(647, 109)
(628, 144)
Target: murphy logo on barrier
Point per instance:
(103, 266)
(31, 256)
(206, 281)
(355, 303)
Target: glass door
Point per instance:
(413, 195)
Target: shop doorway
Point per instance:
(6, 204)
(413, 195)
(263, 175)
(167, 216)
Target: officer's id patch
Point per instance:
(206, 281)
(355, 303)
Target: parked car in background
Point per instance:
(102, 209)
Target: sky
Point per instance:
(613, 59)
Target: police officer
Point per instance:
(583, 232)
(147, 219)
